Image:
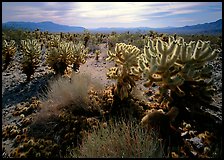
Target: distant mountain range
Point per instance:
(43, 26)
(206, 28)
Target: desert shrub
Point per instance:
(119, 140)
(64, 93)
(31, 50)
(8, 52)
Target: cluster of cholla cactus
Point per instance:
(8, 51)
(86, 38)
(112, 40)
(126, 58)
(31, 51)
(80, 54)
(60, 56)
(170, 64)
(53, 41)
(97, 53)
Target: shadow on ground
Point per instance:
(24, 91)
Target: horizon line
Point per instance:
(114, 27)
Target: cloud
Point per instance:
(110, 14)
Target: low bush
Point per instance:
(119, 140)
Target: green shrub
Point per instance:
(119, 140)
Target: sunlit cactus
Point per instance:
(60, 57)
(54, 41)
(126, 57)
(8, 51)
(170, 64)
(80, 53)
(31, 50)
(194, 57)
(67, 53)
(157, 62)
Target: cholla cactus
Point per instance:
(157, 60)
(31, 50)
(126, 57)
(67, 53)
(8, 51)
(97, 52)
(170, 64)
(60, 57)
(193, 59)
(86, 38)
(80, 54)
(112, 40)
(54, 41)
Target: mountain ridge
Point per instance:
(204, 28)
(43, 26)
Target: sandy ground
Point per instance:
(98, 69)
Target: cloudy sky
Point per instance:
(114, 14)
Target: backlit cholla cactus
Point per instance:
(60, 57)
(31, 50)
(126, 58)
(66, 54)
(8, 51)
(195, 69)
(193, 59)
(157, 63)
(80, 54)
(170, 64)
(53, 41)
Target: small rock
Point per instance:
(197, 142)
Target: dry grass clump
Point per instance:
(64, 93)
(119, 140)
